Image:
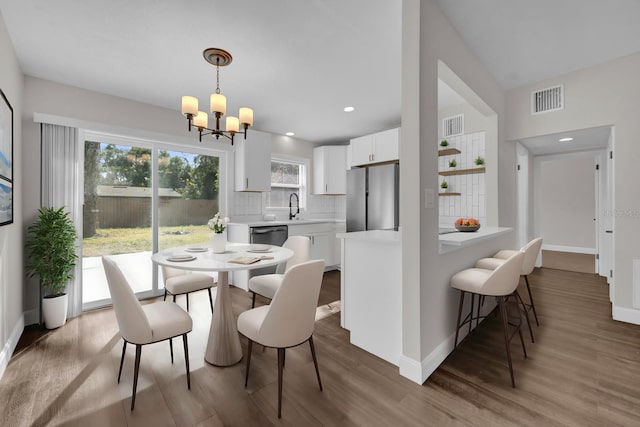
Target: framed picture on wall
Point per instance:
(6, 202)
(6, 138)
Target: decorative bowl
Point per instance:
(467, 228)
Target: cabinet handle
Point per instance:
(246, 187)
(326, 188)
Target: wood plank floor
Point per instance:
(583, 370)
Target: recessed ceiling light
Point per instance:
(289, 133)
(348, 109)
(565, 139)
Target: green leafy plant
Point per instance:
(51, 250)
(444, 143)
(479, 161)
(453, 163)
(444, 185)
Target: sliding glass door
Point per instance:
(132, 188)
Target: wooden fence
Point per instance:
(132, 212)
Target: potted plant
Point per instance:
(453, 163)
(218, 240)
(444, 186)
(444, 143)
(51, 256)
(479, 161)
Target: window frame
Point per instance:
(304, 180)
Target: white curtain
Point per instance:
(62, 185)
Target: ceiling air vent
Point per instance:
(453, 125)
(547, 100)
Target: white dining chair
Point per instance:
(144, 324)
(266, 285)
(183, 282)
(289, 320)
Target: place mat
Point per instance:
(180, 258)
(259, 251)
(244, 260)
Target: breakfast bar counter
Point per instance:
(452, 241)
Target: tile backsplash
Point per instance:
(250, 206)
(472, 199)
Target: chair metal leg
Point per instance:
(533, 306)
(471, 317)
(186, 359)
(171, 349)
(455, 343)
(210, 299)
(253, 300)
(165, 295)
(174, 298)
(526, 314)
(505, 326)
(246, 377)
(280, 367)
(124, 348)
(136, 369)
(187, 296)
(315, 361)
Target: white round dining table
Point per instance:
(223, 345)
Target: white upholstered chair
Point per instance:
(500, 283)
(290, 318)
(144, 324)
(266, 285)
(178, 282)
(531, 251)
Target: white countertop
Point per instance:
(261, 223)
(388, 236)
(456, 240)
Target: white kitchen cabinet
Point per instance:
(375, 148)
(330, 169)
(321, 236)
(253, 162)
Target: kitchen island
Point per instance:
(371, 291)
(371, 284)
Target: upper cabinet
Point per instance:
(376, 148)
(330, 169)
(253, 162)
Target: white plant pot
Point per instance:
(54, 311)
(219, 243)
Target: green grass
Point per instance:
(113, 241)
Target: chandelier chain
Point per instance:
(218, 76)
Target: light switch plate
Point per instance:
(429, 198)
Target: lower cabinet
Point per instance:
(322, 238)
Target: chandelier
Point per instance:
(218, 104)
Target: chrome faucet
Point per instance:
(291, 214)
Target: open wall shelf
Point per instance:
(462, 171)
(448, 194)
(448, 151)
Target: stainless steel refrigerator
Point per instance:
(373, 198)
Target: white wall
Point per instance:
(603, 95)
(567, 202)
(429, 303)
(12, 235)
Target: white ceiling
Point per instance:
(299, 63)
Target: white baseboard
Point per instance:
(419, 372)
(572, 249)
(627, 315)
(31, 317)
(11, 344)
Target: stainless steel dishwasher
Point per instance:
(270, 235)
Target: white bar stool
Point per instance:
(500, 283)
